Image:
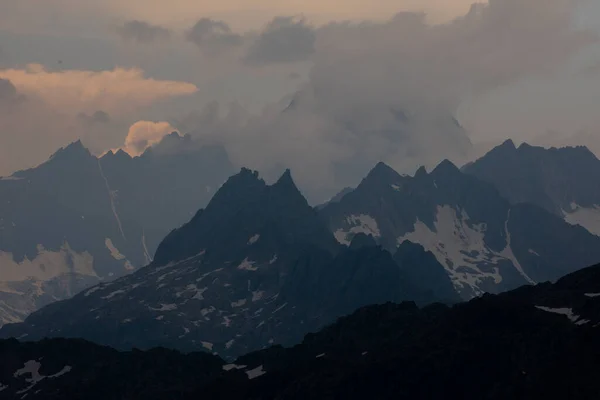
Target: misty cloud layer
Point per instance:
(213, 36)
(283, 40)
(390, 91)
(143, 32)
(352, 93)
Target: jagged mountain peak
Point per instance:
(245, 206)
(286, 186)
(554, 178)
(508, 144)
(73, 150)
(171, 143)
(421, 172)
(286, 180)
(381, 169)
(446, 168)
(120, 154)
(245, 179)
(381, 175)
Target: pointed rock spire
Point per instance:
(421, 172)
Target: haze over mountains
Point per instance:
(77, 219)
(564, 181)
(303, 200)
(259, 266)
(485, 243)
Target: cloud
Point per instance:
(118, 92)
(283, 40)
(377, 90)
(29, 130)
(99, 117)
(41, 111)
(63, 15)
(390, 91)
(143, 32)
(144, 134)
(213, 36)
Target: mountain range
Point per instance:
(485, 243)
(78, 219)
(564, 181)
(259, 266)
(536, 342)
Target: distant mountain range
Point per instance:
(564, 181)
(259, 266)
(485, 243)
(77, 219)
(536, 342)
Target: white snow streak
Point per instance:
(112, 195)
(146, 252)
(508, 253)
(567, 312)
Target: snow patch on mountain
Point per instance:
(255, 372)
(357, 224)
(247, 265)
(47, 264)
(257, 295)
(587, 217)
(460, 247)
(567, 312)
(164, 307)
(116, 254)
(32, 368)
(238, 303)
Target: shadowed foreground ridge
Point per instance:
(536, 342)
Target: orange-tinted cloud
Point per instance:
(144, 134)
(118, 92)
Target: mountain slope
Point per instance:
(538, 342)
(564, 181)
(78, 219)
(485, 243)
(257, 266)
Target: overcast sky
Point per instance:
(112, 72)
